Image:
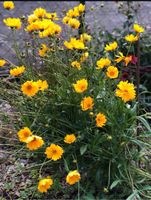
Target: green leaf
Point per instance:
(83, 149)
(115, 183)
(133, 110)
(140, 143)
(89, 196)
(144, 122)
(131, 197)
(146, 187)
(66, 165)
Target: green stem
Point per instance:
(129, 49)
(109, 174)
(78, 190)
(42, 166)
(16, 47)
(78, 182)
(38, 165)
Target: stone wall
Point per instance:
(102, 14)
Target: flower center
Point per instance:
(112, 73)
(54, 151)
(82, 87)
(125, 91)
(26, 134)
(29, 87)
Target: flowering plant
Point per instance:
(76, 114)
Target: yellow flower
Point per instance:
(100, 120)
(73, 177)
(40, 12)
(9, 5)
(76, 12)
(56, 29)
(74, 23)
(48, 15)
(87, 103)
(138, 28)
(66, 20)
(68, 45)
(125, 91)
(34, 26)
(53, 29)
(103, 62)
(76, 64)
(70, 138)
(44, 49)
(74, 44)
(2, 62)
(81, 8)
(111, 46)
(84, 56)
(72, 13)
(120, 57)
(54, 152)
(52, 16)
(131, 38)
(32, 18)
(112, 72)
(77, 44)
(44, 24)
(44, 184)
(81, 85)
(30, 88)
(13, 23)
(127, 59)
(85, 37)
(23, 134)
(43, 85)
(34, 142)
(17, 71)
